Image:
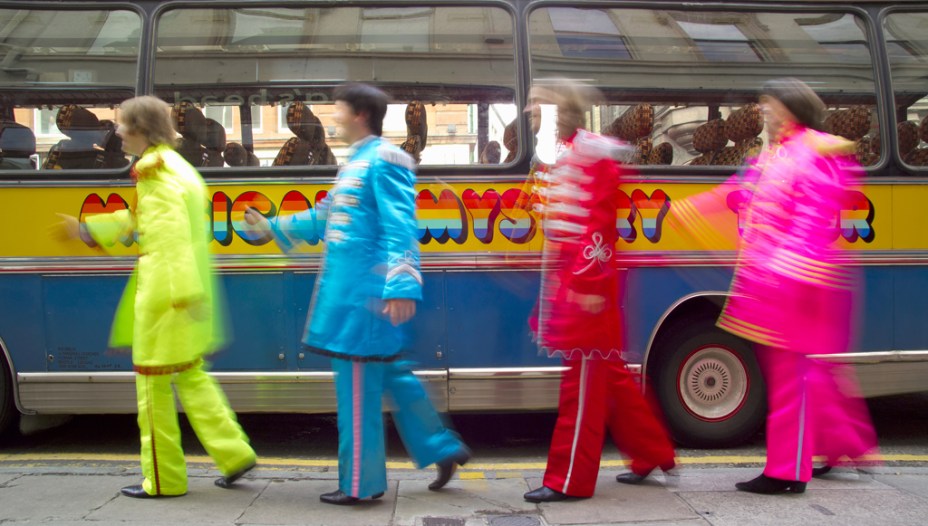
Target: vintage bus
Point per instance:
(250, 83)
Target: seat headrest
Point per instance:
(72, 117)
(215, 135)
(189, 121)
(416, 122)
(16, 140)
(632, 125)
(923, 129)
(304, 123)
(852, 123)
(511, 140)
(745, 123)
(236, 155)
(710, 136)
(908, 137)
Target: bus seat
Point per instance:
(309, 146)
(708, 140)
(661, 154)
(511, 140)
(743, 128)
(417, 130)
(634, 127)
(215, 143)
(83, 148)
(919, 156)
(852, 123)
(17, 145)
(191, 125)
(236, 155)
(868, 150)
(113, 156)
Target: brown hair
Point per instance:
(150, 117)
(799, 99)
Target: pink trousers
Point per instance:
(814, 408)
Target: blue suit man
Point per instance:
(368, 287)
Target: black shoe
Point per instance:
(771, 486)
(633, 478)
(630, 478)
(137, 492)
(545, 494)
(447, 467)
(822, 471)
(342, 499)
(226, 482)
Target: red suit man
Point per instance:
(578, 316)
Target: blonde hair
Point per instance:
(149, 116)
(572, 97)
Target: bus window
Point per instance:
(263, 79)
(64, 74)
(907, 47)
(681, 86)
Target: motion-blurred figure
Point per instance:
(367, 288)
(168, 313)
(792, 294)
(578, 315)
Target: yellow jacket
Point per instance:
(168, 313)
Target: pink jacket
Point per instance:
(792, 287)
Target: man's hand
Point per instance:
(400, 310)
(256, 222)
(69, 228)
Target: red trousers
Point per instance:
(597, 393)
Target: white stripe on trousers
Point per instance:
(580, 404)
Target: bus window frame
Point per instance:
(315, 173)
(87, 175)
(697, 174)
(908, 170)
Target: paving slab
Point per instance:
(915, 484)
(689, 522)
(616, 503)
(297, 502)
(460, 498)
(203, 500)
(825, 507)
(52, 498)
(724, 479)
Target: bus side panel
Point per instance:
(259, 323)
(487, 319)
(650, 292)
(426, 335)
(910, 308)
(78, 316)
(21, 315)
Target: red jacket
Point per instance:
(578, 312)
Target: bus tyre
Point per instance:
(9, 416)
(709, 387)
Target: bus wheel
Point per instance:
(709, 386)
(9, 416)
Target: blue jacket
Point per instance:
(372, 254)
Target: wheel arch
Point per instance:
(697, 304)
(8, 360)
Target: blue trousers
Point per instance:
(362, 461)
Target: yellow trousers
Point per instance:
(208, 411)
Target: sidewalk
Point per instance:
(89, 495)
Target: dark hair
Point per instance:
(365, 100)
(799, 99)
